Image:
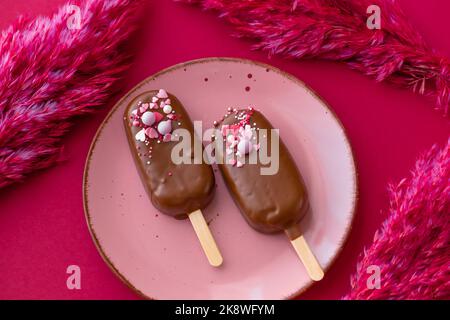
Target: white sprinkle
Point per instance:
(167, 108)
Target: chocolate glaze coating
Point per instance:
(270, 203)
(175, 190)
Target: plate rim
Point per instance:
(285, 74)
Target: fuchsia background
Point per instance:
(42, 224)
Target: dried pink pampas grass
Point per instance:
(337, 30)
(50, 74)
(412, 248)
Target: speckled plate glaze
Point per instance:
(160, 257)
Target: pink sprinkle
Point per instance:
(162, 94)
(168, 101)
(247, 88)
(151, 133)
(135, 123)
(144, 107)
(225, 129)
(167, 137)
(170, 173)
(232, 129)
(158, 117)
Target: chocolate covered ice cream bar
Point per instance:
(270, 200)
(178, 190)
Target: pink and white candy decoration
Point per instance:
(149, 117)
(240, 138)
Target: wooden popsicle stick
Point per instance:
(310, 262)
(206, 239)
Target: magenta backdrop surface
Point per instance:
(42, 224)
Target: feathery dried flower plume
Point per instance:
(412, 248)
(337, 30)
(50, 73)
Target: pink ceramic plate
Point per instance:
(160, 257)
